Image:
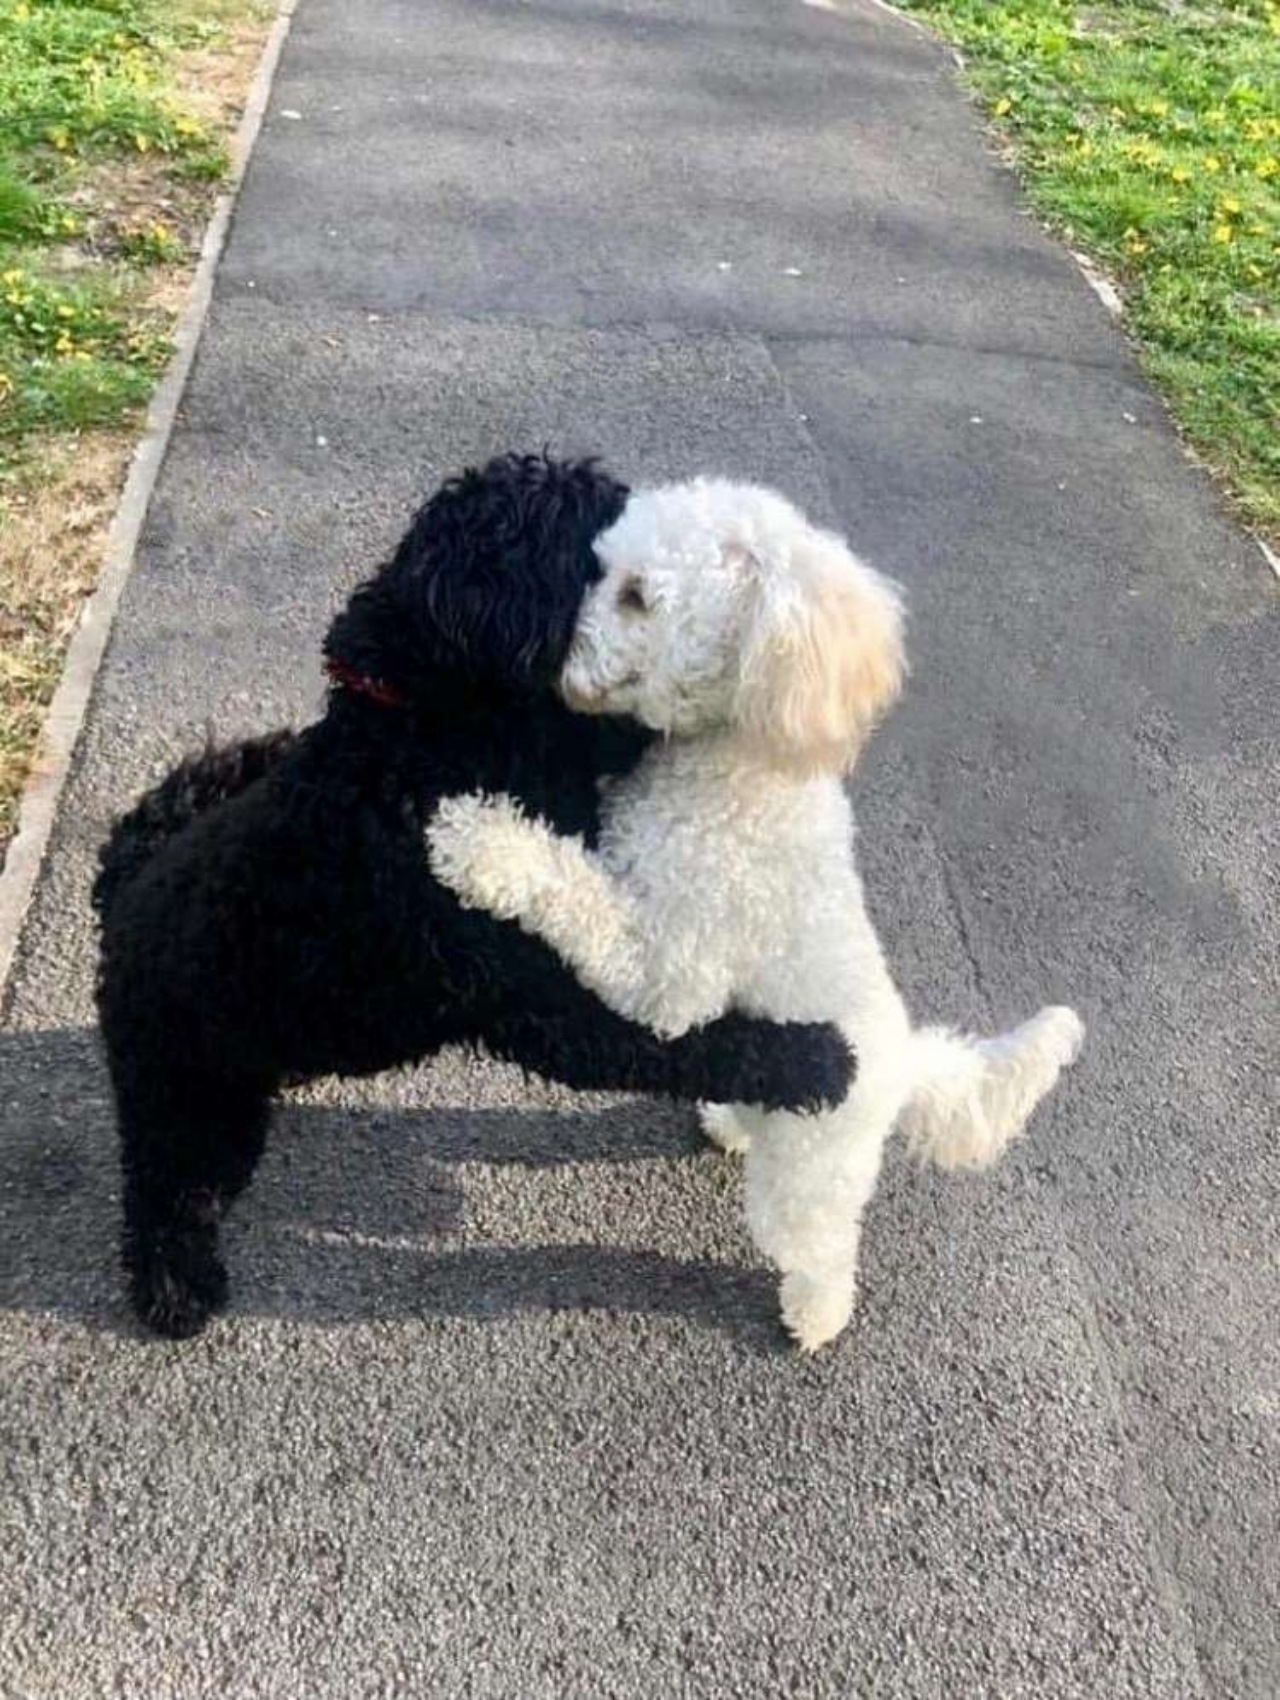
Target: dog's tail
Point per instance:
(210, 776)
(971, 1097)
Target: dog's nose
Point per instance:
(584, 701)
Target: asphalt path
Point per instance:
(501, 1408)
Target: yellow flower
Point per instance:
(1158, 108)
(1230, 206)
(1222, 233)
(1266, 168)
(64, 344)
(1212, 163)
(65, 312)
(69, 224)
(1002, 106)
(186, 127)
(1180, 174)
(14, 276)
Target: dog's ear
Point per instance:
(823, 656)
(486, 584)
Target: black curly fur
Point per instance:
(268, 913)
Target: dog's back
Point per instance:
(197, 784)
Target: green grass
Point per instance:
(1148, 132)
(83, 82)
(106, 178)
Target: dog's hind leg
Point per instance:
(970, 1097)
(808, 1183)
(724, 1128)
(186, 1151)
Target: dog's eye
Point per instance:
(631, 597)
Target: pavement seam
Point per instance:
(65, 718)
(1119, 366)
(1109, 1358)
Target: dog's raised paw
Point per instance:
(487, 851)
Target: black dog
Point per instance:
(268, 912)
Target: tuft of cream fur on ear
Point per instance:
(823, 658)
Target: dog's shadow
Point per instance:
(355, 1215)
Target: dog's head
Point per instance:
(488, 581)
(721, 606)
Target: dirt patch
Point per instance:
(51, 543)
(144, 219)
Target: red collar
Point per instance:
(375, 689)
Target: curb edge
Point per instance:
(65, 715)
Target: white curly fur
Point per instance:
(725, 873)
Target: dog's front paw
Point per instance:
(815, 1311)
(490, 854)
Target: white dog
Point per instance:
(725, 873)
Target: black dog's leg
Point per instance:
(186, 1154)
(735, 1060)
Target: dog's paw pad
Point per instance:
(814, 1312)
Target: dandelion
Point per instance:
(1267, 169)
(1222, 233)
(1003, 105)
(1180, 174)
(1212, 164)
(1230, 206)
(13, 276)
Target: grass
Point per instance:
(1148, 133)
(113, 120)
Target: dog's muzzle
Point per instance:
(580, 700)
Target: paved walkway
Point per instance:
(501, 1410)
